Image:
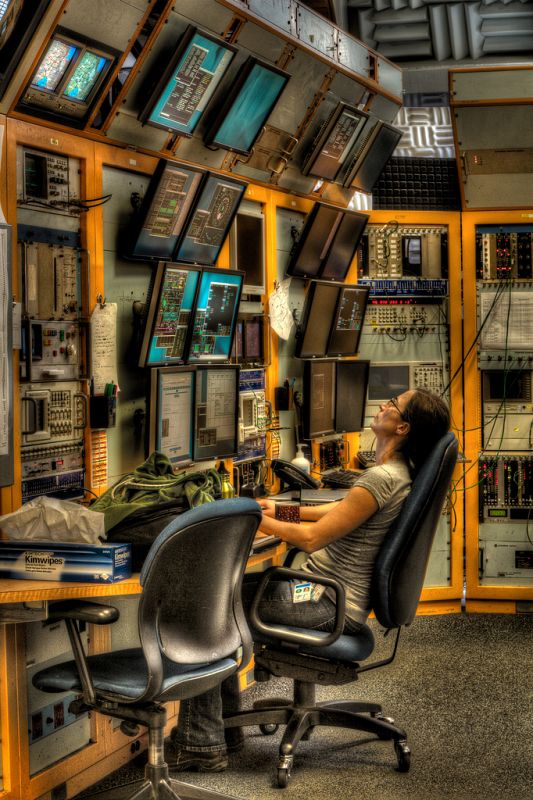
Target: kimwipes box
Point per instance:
(59, 561)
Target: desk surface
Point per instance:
(24, 591)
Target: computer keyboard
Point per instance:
(339, 478)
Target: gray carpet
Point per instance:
(462, 688)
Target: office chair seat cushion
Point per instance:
(348, 647)
(124, 673)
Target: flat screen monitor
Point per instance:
(327, 243)
(210, 220)
(155, 229)
(334, 142)
(215, 315)
(168, 325)
(351, 384)
(345, 332)
(344, 246)
(317, 318)
(172, 414)
(387, 380)
(216, 411)
(247, 107)
(188, 81)
(67, 79)
(364, 173)
(247, 250)
(18, 21)
(253, 341)
(318, 412)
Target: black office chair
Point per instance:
(192, 630)
(310, 657)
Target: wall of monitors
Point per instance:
(188, 82)
(247, 107)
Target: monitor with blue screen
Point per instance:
(215, 315)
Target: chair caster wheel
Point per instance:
(403, 754)
(268, 729)
(283, 777)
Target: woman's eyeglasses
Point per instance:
(394, 403)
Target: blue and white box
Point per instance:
(62, 561)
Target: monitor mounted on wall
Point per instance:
(328, 243)
(68, 78)
(187, 82)
(215, 315)
(367, 166)
(210, 220)
(334, 142)
(247, 107)
(155, 229)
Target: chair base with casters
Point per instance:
(302, 714)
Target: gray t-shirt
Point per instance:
(350, 559)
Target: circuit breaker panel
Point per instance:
(405, 333)
(504, 288)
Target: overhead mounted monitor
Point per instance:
(215, 315)
(247, 250)
(247, 107)
(18, 22)
(370, 161)
(172, 414)
(168, 325)
(334, 142)
(68, 78)
(210, 220)
(328, 243)
(155, 229)
(216, 412)
(187, 82)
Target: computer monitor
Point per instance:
(327, 244)
(345, 332)
(351, 384)
(154, 231)
(344, 246)
(332, 320)
(387, 380)
(317, 318)
(188, 81)
(172, 414)
(216, 412)
(168, 324)
(364, 172)
(247, 107)
(67, 80)
(253, 340)
(215, 315)
(18, 21)
(318, 411)
(247, 250)
(210, 220)
(334, 142)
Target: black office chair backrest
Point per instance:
(401, 564)
(190, 609)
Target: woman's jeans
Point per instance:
(200, 723)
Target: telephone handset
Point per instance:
(292, 475)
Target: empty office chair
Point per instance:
(310, 657)
(192, 631)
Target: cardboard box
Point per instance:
(61, 561)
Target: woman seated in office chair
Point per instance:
(343, 542)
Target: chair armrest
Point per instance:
(82, 610)
(281, 632)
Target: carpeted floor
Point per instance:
(461, 686)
